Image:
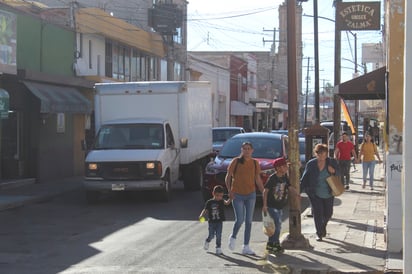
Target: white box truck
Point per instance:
(149, 135)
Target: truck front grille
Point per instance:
(126, 171)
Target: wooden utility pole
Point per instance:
(295, 238)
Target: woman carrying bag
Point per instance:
(313, 182)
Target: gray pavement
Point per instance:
(355, 241)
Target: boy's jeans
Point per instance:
(276, 215)
(215, 229)
(243, 206)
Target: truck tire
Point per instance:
(92, 197)
(193, 179)
(166, 194)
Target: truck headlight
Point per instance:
(92, 166)
(150, 165)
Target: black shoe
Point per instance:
(346, 187)
(324, 232)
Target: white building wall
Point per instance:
(98, 44)
(219, 78)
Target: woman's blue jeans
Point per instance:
(276, 215)
(368, 166)
(243, 206)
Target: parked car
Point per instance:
(221, 134)
(267, 147)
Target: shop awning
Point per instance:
(59, 99)
(366, 87)
(238, 108)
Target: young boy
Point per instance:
(214, 209)
(275, 197)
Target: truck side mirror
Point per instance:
(183, 142)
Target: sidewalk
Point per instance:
(355, 236)
(20, 192)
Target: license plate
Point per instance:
(117, 187)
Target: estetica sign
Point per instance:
(358, 15)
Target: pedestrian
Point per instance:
(215, 211)
(367, 152)
(375, 133)
(243, 175)
(275, 197)
(313, 182)
(344, 151)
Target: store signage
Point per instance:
(358, 16)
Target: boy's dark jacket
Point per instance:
(310, 176)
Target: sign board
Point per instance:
(372, 53)
(358, 16)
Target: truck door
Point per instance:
(172, 154)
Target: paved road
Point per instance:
(123, 234)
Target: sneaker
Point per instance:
(269, 247)
(219, 251)
(364, 184)
(277, 248)
(247, 251)
(206, 245)
(346, 187)
(232, 243)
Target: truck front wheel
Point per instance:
(167, 191)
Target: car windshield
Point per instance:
(221, 135)
(130, 136)
(263, 147)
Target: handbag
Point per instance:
(335, 185)
(268, 224)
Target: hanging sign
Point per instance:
(358, 16)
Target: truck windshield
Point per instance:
(130, 136)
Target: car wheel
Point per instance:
(206, 195)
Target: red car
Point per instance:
(266, 148)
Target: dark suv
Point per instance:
(266, 148)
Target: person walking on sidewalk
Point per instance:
(343, 153)
(215, 211)
(367, 152)
(275, 197)
(243, 175)
(313, 182)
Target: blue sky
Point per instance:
(239, 25)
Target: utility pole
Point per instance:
(336, 98)
(269, 125)
(306, 94)
(316, 47)
(295, 238)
